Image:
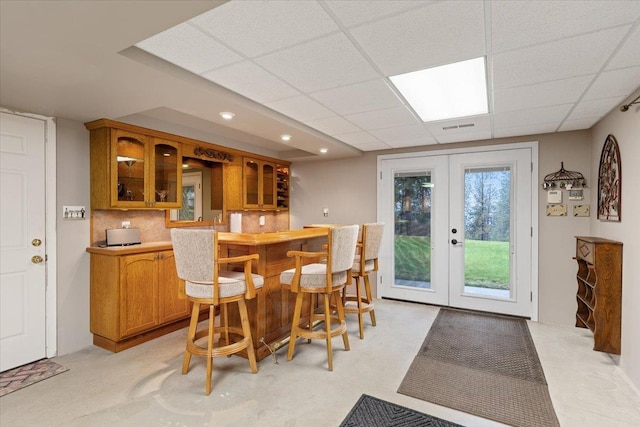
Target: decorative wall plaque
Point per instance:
(213, 154)
(610, 182)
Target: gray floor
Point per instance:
(143, 386)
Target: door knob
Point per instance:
(36, 259)
(36, 242)
(455, 242)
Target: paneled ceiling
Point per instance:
(318, 70)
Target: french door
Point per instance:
(459, 229)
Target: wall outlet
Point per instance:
(325, 211)
(126, 224)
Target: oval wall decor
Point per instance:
(610, 182)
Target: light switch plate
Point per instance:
(554, 196)
(74, 212)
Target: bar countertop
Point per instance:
(245, 239)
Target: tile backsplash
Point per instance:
(152, 223)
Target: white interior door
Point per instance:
(22, 241)
(459, 230)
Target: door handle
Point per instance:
(456, 242)
(36, 259)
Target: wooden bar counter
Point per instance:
(271, 312)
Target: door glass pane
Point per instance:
(166, 173)
(487, 220)
(268, 181)
(251, 180)
(412, 238)
(130, 158)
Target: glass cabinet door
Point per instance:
(166, 178)
(129, 188)
(268, 185)
(251, 183)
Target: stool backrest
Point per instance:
(342, 245)
(195, 252)
(371, 240)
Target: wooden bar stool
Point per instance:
(364, 263)
(198, 265)
(326, 279)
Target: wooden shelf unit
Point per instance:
(599, 295)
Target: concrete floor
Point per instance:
(143, 386)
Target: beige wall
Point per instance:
(72, 186)
(625, 127)
(348, 189)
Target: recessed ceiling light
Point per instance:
(227, 115)
(323, 150)
(446, 92)
(285, 137)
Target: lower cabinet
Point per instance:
(135, 298)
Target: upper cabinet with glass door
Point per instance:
(133, 170)
(259, 184)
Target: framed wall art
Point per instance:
(610, 182)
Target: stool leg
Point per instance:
(212, 321)
(294, 325)
(367, 288)
(246, 330)
(225, 324)
(345, 335)
(359, 304)
(311, 311)
(327, 327)
(193, 325)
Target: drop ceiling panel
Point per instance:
(356, 12)
(254, 27)
(321, 64)
(578, 124)
(423, 38)
(402, 133)
(540, 94)
(518, 24)
(413, 142)
(189, 48)
(359, 97)
(252, 81)
(587, 109)
(464, 136)
(380, 119)
(629, 53)
(357, 138)
(525, 130)
(301, 108)
(333, 125)
(533, 116)
(614, 83)
(561, 59)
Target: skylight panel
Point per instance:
(446, 92)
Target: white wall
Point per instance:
(625, 127)
(73, 237)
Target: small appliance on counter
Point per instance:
(123, 236)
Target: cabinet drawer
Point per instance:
(585, 251)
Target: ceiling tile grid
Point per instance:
(553, 66)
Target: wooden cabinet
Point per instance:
(258, 184)
(282, 187)
(599, 295)
(134, 297)
(132, 169)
